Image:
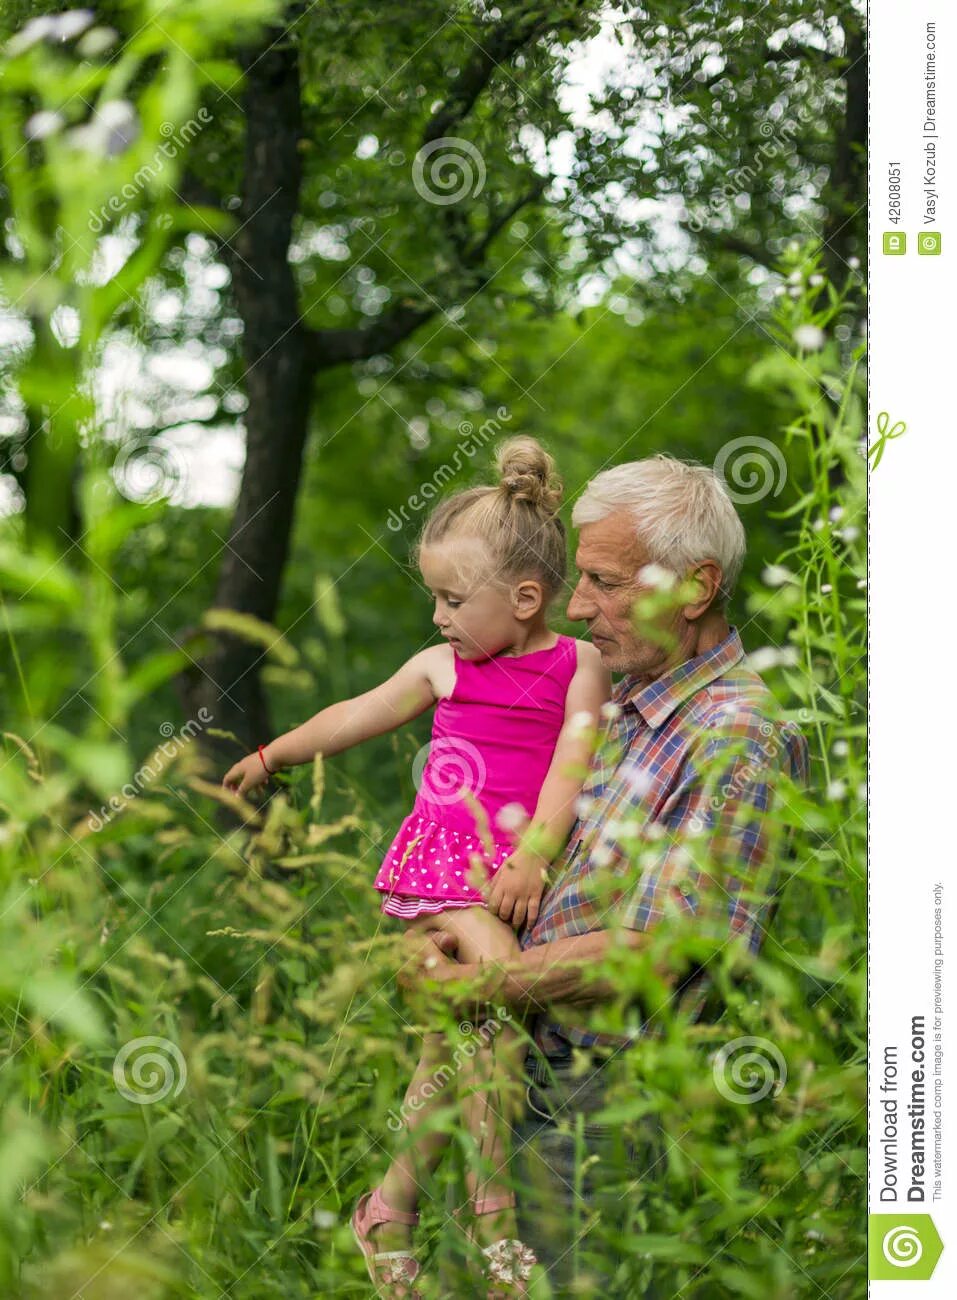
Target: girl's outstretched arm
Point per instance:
(519, 882)
(403, 696)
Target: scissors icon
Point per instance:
(886, 431)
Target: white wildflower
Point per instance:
(794, 277)
(113, 128)
(809, 337)
(42, 124)
(840, 749)
(826, 588)
(836, 790)
(511, 817)
(853, 263)
(768, 656)
(851, 534)
(602, 855)
(639, 781)
(71, 23)
(55, 27)
(653, 575)
(861, 584)
(580, 722)
(862, 792)
(816, 280)
(615, 830)
(37, 29)
(836, 513)
(324, 1219)
(776, 575)
(582, 806)
(610, 710)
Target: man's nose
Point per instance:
(580, 606)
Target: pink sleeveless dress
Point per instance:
(492, 744)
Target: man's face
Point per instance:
(609, 559)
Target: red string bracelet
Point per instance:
(262, 760)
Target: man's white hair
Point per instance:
(682, 513)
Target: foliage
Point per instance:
(252, 949)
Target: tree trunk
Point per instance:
(846, 186)
(278, 384)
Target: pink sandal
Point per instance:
(394, 1270)
(509, 1261)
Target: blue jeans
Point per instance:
(578, 1182)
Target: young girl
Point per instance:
(509, 744)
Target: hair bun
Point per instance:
(527, 473)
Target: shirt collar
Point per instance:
(657, 701)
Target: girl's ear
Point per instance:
(528, 597)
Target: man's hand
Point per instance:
(431, 971)
(430, 956)
(517, 889)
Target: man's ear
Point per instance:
(706, 579)
(527, 598)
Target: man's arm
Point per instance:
(562, 971)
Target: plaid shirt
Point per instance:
(693, 755)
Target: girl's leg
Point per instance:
(479, 937)
(492, 1075)
(411, 1168)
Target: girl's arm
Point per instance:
(519, 882)
(405, 695)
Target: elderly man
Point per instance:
(685, 709)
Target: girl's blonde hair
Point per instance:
(516, 518)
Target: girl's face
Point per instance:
(477, 613)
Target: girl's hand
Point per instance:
(517, 889)
(246, 775)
